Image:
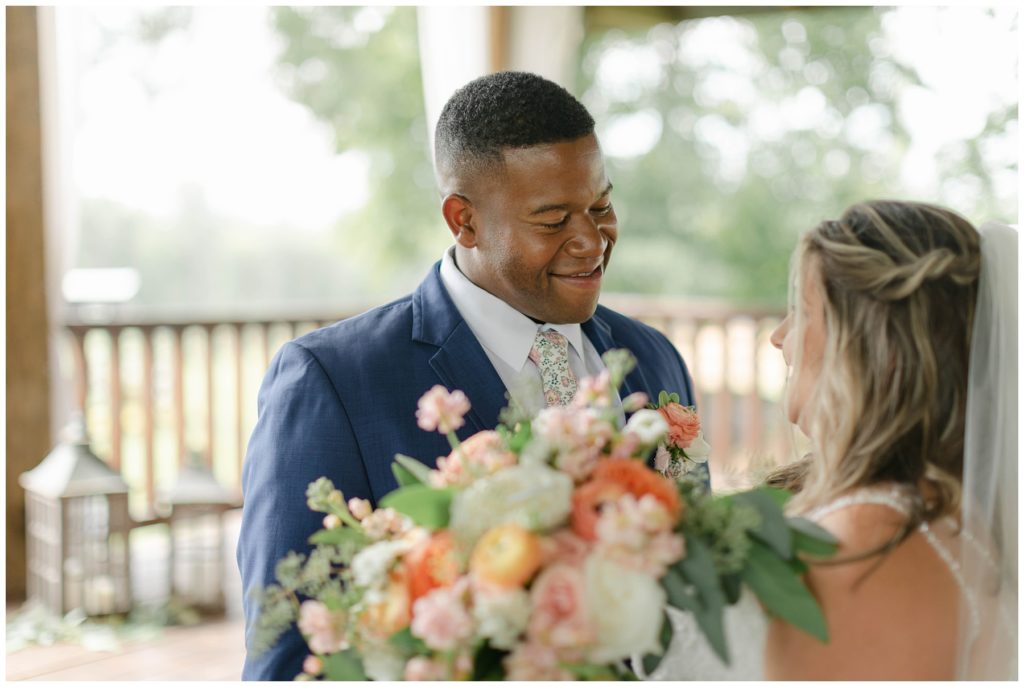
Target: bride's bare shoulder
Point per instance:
(888, 615)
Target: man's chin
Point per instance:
(577, 315)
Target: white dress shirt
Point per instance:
(507, 336)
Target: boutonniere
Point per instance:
(685, 448)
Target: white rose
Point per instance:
(534, 496)
(502, 616)
(648, 425)
(370, 566)
(625, 607)
(382, 662)
(698, 450)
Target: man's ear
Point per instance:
(458, 214)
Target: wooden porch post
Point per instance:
(28, 376)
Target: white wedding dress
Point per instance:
(690, 657)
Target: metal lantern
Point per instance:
(198, 502)
(78, 525)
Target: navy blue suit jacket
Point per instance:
(341, 402)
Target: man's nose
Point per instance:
(588, 240)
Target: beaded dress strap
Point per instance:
(896, 498)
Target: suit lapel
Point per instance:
(462, 364)
(600, 334)
(460, 361)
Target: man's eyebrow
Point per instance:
(565, 206)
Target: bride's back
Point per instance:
(892, 614)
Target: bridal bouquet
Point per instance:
(543, 550)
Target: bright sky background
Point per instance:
(216, 120)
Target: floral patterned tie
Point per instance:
(550, 353)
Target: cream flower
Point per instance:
(648, 425)
(626, 610)
(371, 565)
(698, 450)
(534, 496)
(382, 662)
(501, 614)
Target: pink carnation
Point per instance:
(323, 628)
(578, 435)
(532, 661)
(482, 454)
(441, 410)
(440, 617)
(558, 603)
(594, 391)
(421, 669)
(683, 424)
(565, 547)
(637, 533)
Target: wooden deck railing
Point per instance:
(159, 386)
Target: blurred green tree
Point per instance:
(358, 69)
(758, 127)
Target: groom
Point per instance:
(512, 305)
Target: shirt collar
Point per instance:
(498, 326)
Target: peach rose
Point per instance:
(560, 616)
(507, 556)
(683, 424)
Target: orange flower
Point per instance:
(587, 502)
(683, 424)
(638, 479)
(394, 612)
(435, 562)
(507, 556)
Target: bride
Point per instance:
(901, 339)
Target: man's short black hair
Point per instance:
(505, 110)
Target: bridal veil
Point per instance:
(988, 642)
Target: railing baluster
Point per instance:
(178, 377)
(239, 401)
(147, 415)
(209, 397)
(265, 329)
(754, 423)
(81, 370)
(115, 398)
(721, 421)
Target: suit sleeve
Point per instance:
(302, 433)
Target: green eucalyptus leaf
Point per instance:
(408, 644)
(810, 538)
(338, 536)
(782, 591)
(773, 528)
(698, 568)
(652, 661)
(732, 585)
(425, 506)
(345, 666)
(412, 468)
(589, 671)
